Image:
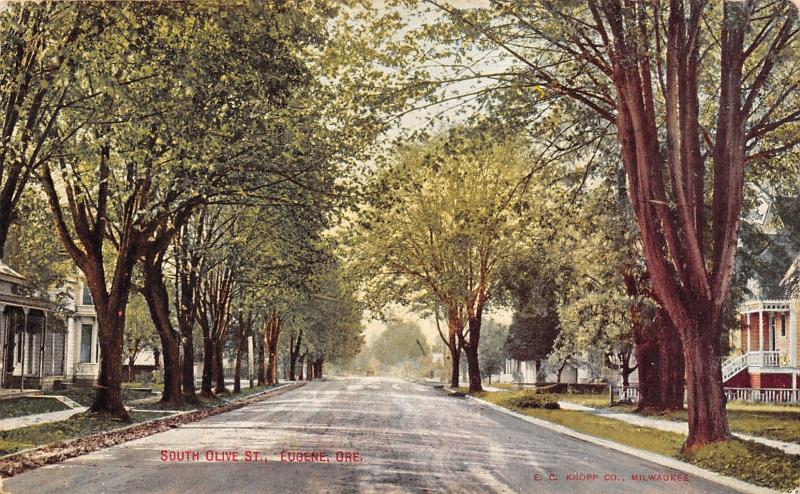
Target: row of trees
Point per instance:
(184, 152)
(669, 102)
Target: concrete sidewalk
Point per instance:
(39, 418)
(672, 426)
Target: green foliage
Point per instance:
(528, 400)
(32, 249)
(140, 335)
(401, 341)
(492, 356)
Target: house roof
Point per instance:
(8, 274)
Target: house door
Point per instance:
(773, 323)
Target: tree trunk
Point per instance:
(262, 374)
(237, 366)
(707, 415)
(186, 286)
(302, 367)
(219, 368)
(318, 368)
(294, 351)
(471, 349)
(155, 294)
(309, 369)
(208, 363)
(659, 357)
(108, 399)
(131, 360)
(455, 360)
(189, 395)
(272, 332)
(561, 369)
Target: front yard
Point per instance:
(765, 466)
(80, 425)
(18, 407)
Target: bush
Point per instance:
(533, 400)
(573, 388)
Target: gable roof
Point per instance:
(8, 274)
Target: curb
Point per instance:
(664, 461)
(56, 452)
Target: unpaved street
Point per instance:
(390, 435)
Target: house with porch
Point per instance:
(44, 344)
(768, 353)
(765, 350)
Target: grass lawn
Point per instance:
(80, 425)
(18, 407)
(85, 396)
(202, 402)
(774, 422)
(765, 466)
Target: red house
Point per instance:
(767, 353)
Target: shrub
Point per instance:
(533, 400)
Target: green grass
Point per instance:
(19, 407)
(781, 423)
(764, 466)
(202, 402)
(85, 396)
(80, 425)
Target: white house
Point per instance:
(44, 344)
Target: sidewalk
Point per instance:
(39, 418)
(672, 426)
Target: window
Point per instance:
(87, 296)
(86, 343)
(783, 324)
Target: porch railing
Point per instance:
(764, 395)
(630, 394)
(763, 359)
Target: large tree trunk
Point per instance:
(272, 332)
(309, 369)
(455, 360)
(155, 293)
(318, 368)
(188, 367)
(708, 421)
(108, 399)
(186, 285)
(219, 368)
(294, 351)
(208, 363)
(659, 356)
(262, 369)
(471, 349)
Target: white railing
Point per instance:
(766, 395)
(763, 359)
(623, 394)
(733, 366)
(630, 394)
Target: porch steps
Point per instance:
(733, 366)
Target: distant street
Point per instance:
(390, 435)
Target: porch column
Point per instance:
(4, 344)
(22, 346)
(761, 330)
(792, 334)
(41, 351)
